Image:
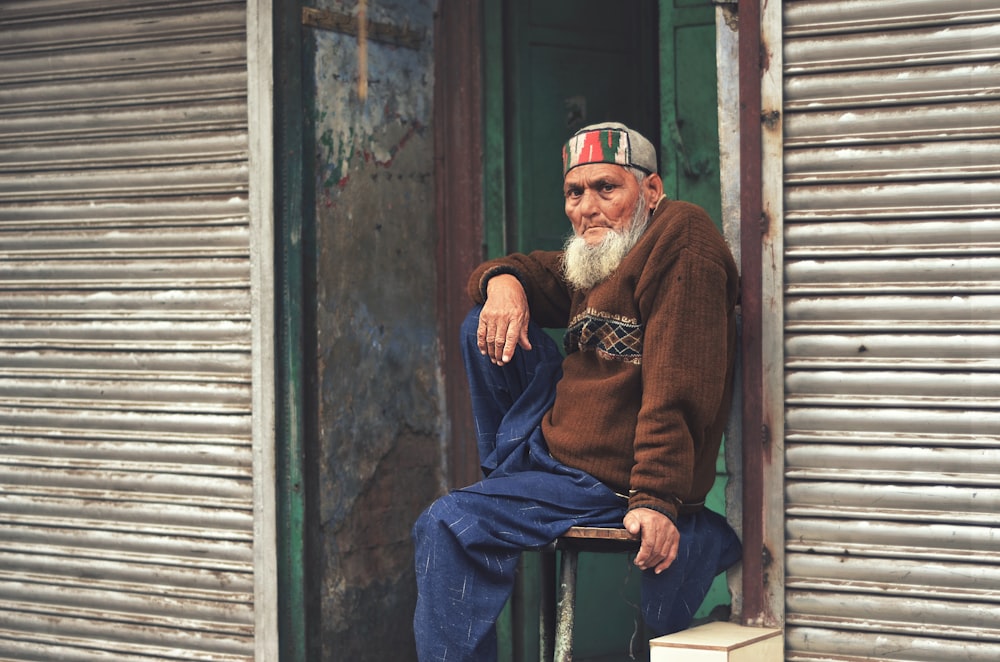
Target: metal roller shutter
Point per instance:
(126, 492)
(892, 330)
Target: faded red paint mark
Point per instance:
(395, 149)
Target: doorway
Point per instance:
(550, 68)
(564, 64)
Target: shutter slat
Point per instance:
(975, 583)
(809, 644)
(804, 18)
(900, 124)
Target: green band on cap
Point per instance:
(600, 146)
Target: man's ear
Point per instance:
(652, 190)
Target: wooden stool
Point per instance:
(558, 605)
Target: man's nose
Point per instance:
(589, 202)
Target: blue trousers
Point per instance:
(469, 541)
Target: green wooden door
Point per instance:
(689, 142)
(551, 67)
(571, 63)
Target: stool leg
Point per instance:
(566, 607)
(547, 606)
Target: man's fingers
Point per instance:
(522, 339)
(667, 560)
(492, 342)
(498, 344)
(509, 343)
(668, 557)
(505, 314)
(660, 539)
(650, 553)
(483, 338)
(499, 338)
(517, 334)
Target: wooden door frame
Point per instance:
(762, 423)
(458, 184)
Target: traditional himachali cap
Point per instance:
(609, 142)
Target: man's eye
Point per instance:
(573, 193)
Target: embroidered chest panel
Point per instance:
(613, 337)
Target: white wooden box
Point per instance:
(719, 642)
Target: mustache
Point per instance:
(584, 266)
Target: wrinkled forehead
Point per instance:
(589, 174)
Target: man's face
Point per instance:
(600, 198)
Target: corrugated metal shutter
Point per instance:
(892, 314)
(126, 496)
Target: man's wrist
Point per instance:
(668, 505)
(663, 511)
(493, 272)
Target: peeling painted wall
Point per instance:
(381, 409)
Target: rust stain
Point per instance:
(765, 442)
(771, 119)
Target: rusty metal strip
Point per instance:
(755, 556)
(342, 23)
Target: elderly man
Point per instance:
(623, 431)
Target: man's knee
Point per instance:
(428, 520)
(419, 530)
(427, 538)
(720, 538)
(440, 517)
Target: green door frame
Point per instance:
(294, 227)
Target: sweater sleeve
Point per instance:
(684, 372)
(540, 273)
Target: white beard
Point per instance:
(584, 266)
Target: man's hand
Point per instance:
(660, 538)
(503, 322)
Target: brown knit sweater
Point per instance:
(647, 380)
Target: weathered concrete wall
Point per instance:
(728, 81)
(381, 409)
